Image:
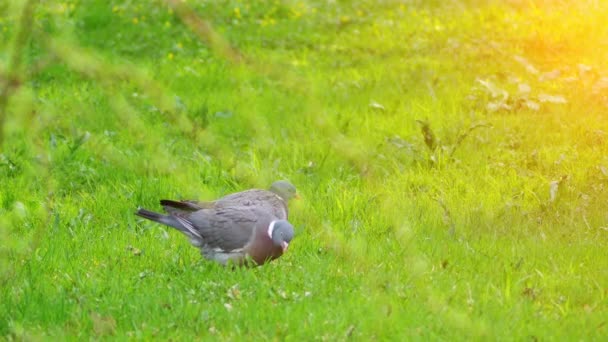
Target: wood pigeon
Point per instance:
(231, 234)
(273, 200)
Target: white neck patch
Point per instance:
(271, 228)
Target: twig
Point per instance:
(464, 135)
(203, 29)
(91, 65)
(427, 133)
(11, 83)
(447, 216)
(224, 49)
(41, 65)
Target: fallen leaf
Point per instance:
(552, 98)
(234, 292)
(179, 104)
(223, 115)
(550, 76)
(350, 330)
(524, 88)
(512, 79)
(398, 142)
(530, 292)
(20, 209)
(603, 170)
(494, 91)
(583, 69)
(532, 105)
(103, 325)
(526, 64)
(377, 106)
(553, 188)
(600, 85)
(135, 251)
(496, 106)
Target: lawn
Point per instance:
(451, 156)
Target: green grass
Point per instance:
(121, 105)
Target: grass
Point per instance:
(491, 227)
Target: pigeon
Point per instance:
(273, 201)
(230, 235)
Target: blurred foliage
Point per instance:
(451, 156)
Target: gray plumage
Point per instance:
(230, 234)
(274, 201)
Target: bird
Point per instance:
(230, 235)
(274, 200)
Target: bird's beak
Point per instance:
(297, 196)
(284, 245)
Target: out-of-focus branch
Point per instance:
(10, 82)
(223, 49)
(205, 32)
(92, 65)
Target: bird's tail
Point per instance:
(167, 220)
(174, 222)
(181, 207)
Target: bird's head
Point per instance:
(281, 233)
(284, 189)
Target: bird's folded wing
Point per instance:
(226, 229)
(184, 207)
(246, 198)
(260, 199)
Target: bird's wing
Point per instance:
(242, 198)
(259, 199)
(225, 229)
(185, 206)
